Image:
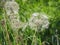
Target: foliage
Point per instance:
(29, 36)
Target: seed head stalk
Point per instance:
(6, 29)
(11, 11)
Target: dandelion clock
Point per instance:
(39, 21)
(12, 8)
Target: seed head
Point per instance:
(39, 20)
(11, 7)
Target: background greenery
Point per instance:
(27, 8)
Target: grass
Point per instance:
(28, 36)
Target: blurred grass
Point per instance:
(27, 8)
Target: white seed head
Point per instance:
(39, 19)
(11, 7)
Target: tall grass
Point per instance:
(32, 29)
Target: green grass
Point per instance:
(29, 36)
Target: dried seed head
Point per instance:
(39, 20)
(11, 7)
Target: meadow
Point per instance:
(29, 22)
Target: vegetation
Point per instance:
(33, 22)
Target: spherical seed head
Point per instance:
(39, 19)
(11, 7)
